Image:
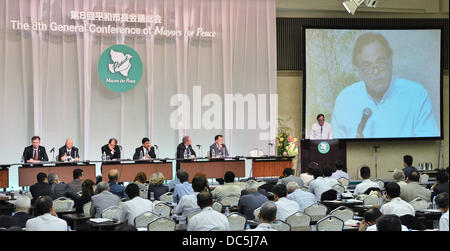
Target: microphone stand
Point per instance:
(375, 147)
(200, 150)
(53, 152)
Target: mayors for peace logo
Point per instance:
(120, 68)
(324, 147)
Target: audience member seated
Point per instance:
(370, 219)
(327, 173)
(208, 219)
(135, 206)
(115, 188)
(251, 201)
(285, 206)
(340, 173)
(157, 186)
(75, 185)
(442, 204)
(59, 189)
(141, 181)
(389, 223)
(441, 185)
(267, 216)
(176, 181)
(21, 211)
(6, 222)
(188, 203)
(47, 219)
(318, 186)
(229, 189)
(366, 183)
(184, 188)
(407, 163)
(414, 190)
(103, 200)
(288, 175)
(308, 176)
(125, 228)
(304, 199)
(396, 205)
(87, 191)
(41, 188)
(399, 178)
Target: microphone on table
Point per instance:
(156, 146)
(52, 150)
(367, 113)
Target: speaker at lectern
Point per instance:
(323, 152)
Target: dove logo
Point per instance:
(120, 68)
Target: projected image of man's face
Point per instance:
(375, 69)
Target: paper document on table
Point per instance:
(99, 220)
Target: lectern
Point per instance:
(323, 152)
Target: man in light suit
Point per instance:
(414, 190)
(35, 152)
(219, 148)
(102, 200)
(288, 175)
(146, 149)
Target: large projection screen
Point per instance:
(373, 84)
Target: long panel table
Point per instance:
(64, 170)
(4, 176)
(270, 166)
(214, 168)
(129, 169)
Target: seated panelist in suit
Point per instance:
(148, 152)
(185, 146)
(68, 152)
(35, 152)
(220, 150)
(111, 149)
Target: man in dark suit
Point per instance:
(111, 149)
(407, 162)
(68, 151)
(35, 152)
(21, 211)
(41, 188)
(148, 152)
(59, 189)
(185, 147)
(218, 148)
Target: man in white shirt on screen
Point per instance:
(321, 129)
(381, 105)
(208, 219)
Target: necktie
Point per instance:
(35, 154)
(321, 131)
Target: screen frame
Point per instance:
(375, 27)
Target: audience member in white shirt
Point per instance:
(48, 219)
(340, 171)
(208, 219)
(267, 215)
(304, 199)
(389, 223)
(135, 206)
(188, 203)
(366, 183)
(285, 206)
(327, 173)
(396, 205)
(370, 218)
(442, 202)
(319, 185)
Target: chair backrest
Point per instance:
(161, 224)
(230, 201)
(329, 195)
(256, 213)
(112, 213)
(316, 211)
(339, 188)
(299, 222)
(144, 219)
(372, 201)
(236, 221)
(424, 178)
(330, 223)
(344, 182)
(343, 213)
(167, 197)
(380, 184)
(63, 204)
(162, 209)
(217, 206)
(189, 217)
(87, 209)
(419, 204)
(280, 225)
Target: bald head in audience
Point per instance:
(268, 212)
(113, 175)
(204, 199)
